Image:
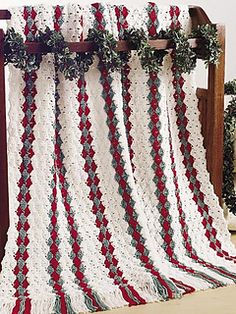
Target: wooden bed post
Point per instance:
(215, 122)
(211, 106)
(4, 201)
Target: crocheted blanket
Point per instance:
(110, 200)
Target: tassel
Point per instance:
(101, 304)
(135, 301)
(27, 306)
(89, 303)
(63, 305)
(57, 306)
(17, 306)
(22, 306)
(69, 305)
(163, 291)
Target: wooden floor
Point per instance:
(218, 301)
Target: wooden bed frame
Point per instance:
(211, 105)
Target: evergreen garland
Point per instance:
(151, 59)
(64, 59)
(15, 53)
(185, 57)
(211, 51)
(72, 64)
(106, 45)
(229, 194)
(230, 87)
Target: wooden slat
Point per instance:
(198, 16)
(202, 95)
(122, 45)
(4, 202)
(5, 15)
(215, 115)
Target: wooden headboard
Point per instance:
(211, 105)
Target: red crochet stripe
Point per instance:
(83, 98)
(174, 12)
(17, 307)
(32, 15)
(121, 14)
(54, 249)
(153, 17)
(121, 11)
(29, 153)
(57, 17)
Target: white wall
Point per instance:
(218, 11)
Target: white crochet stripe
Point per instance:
(17, 20)
(40, 189)
(44, 17)
(75, 22)
(185, 19)
(15, 131)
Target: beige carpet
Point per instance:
(219, 301)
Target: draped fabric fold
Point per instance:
(110, 200)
